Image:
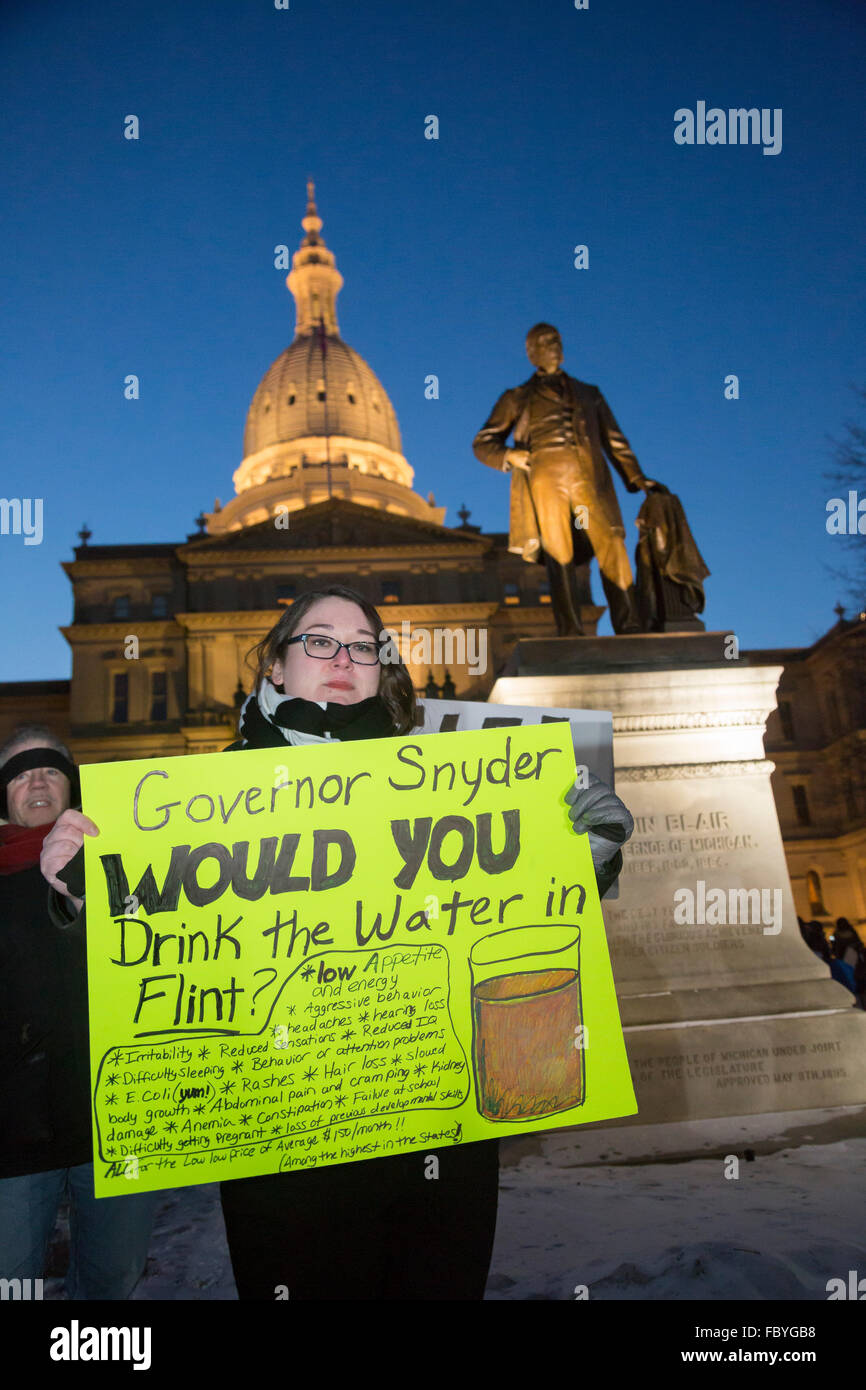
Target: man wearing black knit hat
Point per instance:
(45, 1129)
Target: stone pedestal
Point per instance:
(728, 1013)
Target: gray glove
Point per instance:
(599, 812)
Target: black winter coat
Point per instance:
(44, 1064)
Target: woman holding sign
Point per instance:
(416, 1225)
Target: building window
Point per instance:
(786, 719)
(801, 805)
(291, 398)
(512, 593)
(158, 696)
(392, 591)
(159, 606)
(120, 609)
(816, 899)
(120, 697)
(286, 594)
(350, 393)
(544, 591)
(320, 390)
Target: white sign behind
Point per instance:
(591, 730)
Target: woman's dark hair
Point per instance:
(395, 684)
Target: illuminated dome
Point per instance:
(303, 395)
(320, 423)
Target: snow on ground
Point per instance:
(789, 1222)
(624, 1213)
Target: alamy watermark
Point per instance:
(846, 519)
(443, 646)
(77, 1343)
(736, 126)
(22, 516)
(23, 1290)
(854, 1288)
(722, 907)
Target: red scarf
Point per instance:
(21, 846)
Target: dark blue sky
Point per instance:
(556, 128)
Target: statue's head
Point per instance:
(544, 347)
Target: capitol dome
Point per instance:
(304, 393)
(320, 423)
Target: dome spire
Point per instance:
(314, 279)
(312, 223)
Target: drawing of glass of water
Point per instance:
(526, 1019)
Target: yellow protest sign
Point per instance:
(322, 954)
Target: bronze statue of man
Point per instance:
(563, 428)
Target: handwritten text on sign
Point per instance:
(314, 955)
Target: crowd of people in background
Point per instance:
(843, 951)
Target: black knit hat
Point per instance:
(31, 758)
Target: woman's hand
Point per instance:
(61, 844)
(598, 812)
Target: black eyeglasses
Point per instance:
(325, 648)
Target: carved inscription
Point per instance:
(745, 1068)
(676, 843)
